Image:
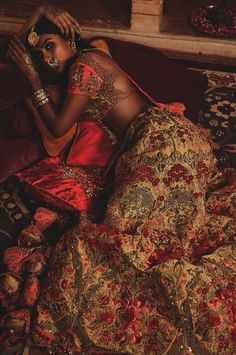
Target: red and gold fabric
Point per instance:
(161, 269)
(159, 274)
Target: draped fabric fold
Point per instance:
(78, 185)
(159, 273)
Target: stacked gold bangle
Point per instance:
(40, 97)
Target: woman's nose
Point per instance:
(45, 57)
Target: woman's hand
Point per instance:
(66, 23)
(19, 54)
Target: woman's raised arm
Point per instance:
(66, 23)
(32, 20)
(58, 122)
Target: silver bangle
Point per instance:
(40, 97)
(39, 93)
(41, 102)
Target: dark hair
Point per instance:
(44, 26)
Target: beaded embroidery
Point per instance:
(100, 83)
(87, 87)
(84, 178)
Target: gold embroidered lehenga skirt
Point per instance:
(159, 274)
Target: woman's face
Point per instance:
(54, 51)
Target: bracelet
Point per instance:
(40, 97)
(39, 93)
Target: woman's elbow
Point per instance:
(58, 133)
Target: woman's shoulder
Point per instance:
(85, 61)
(94, 51)
(93, 57)
(85, 74)
(95, 62)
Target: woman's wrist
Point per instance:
(33, 77)
(36, 84)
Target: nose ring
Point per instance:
(52, 62)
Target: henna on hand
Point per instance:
(19, 54)
(30, 69)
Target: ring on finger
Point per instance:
(28, 60)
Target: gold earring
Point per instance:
(73, 46)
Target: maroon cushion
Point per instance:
(162, 79)
(18, 153)
(18, 119)
(20, 145)
(14, 84)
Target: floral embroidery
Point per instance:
(177, 173)
(163, 260)
(87, 82)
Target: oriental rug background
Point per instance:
(218, 116)
(218, 119)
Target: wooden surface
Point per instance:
(112, 18)
(175, 18)
(104, 13)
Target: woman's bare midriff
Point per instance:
(122, 114)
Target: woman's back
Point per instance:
(114, 99)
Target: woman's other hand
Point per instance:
(32, 20)
(19, 54)
(66, 23)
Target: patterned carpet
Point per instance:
(14, 215)
(218, 119)
(218, 116)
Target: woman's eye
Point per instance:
(49, 45)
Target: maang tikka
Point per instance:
(33, 37)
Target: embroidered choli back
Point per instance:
(96, 75)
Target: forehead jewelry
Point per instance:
(52, 62)
(33, 37)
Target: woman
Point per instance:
(158, 274)
(75, 179)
